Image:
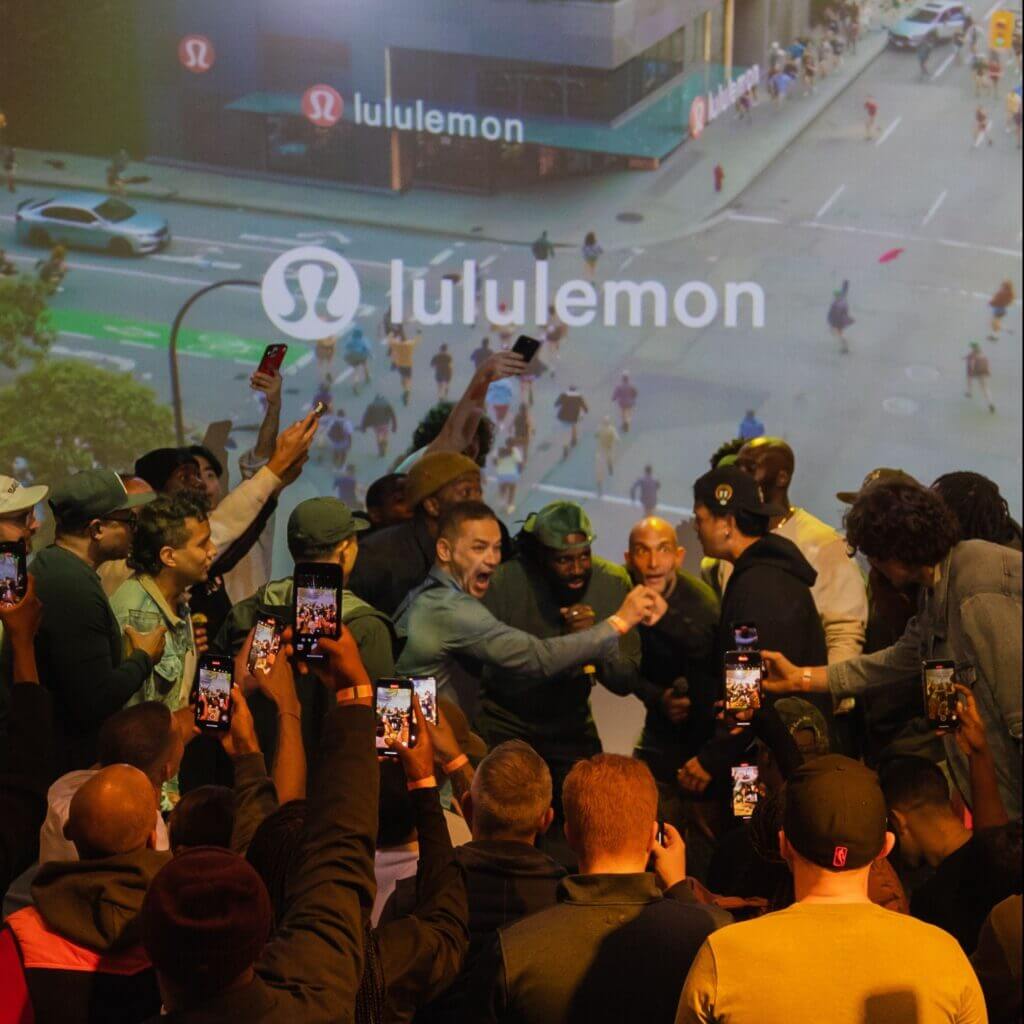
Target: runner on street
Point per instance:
(604, 456)
(571, 405)
(442, 367)
(978, 370)
(625, 396)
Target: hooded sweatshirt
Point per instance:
(75, 956)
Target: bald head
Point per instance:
(770, 461)
(654, 554)
(113, 812)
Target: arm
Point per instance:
(239, 548)
(240, 507)
(986, 803)
(314, 960)
(488, 1000)
(697, 1002)
(992, 636)
(842, 601)
(270, 385)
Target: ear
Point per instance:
(899, 818)
(652, 841)
(782, 478)
(545, 821)
(151, 840)
(432, 507)
(167, 557)
(443, 549)
(466, 806)
(680, 556)
(890, 842)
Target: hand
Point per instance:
(343, 667)
(578, 617)
(184, 721)
(245, 680)
(639, 604)
(502, 364)
(201, 641)
(670, 858)
(269, 384)
(692, 776)
(676, 708)
(970, 734)
(781, 675)
(240, 739)
(442, 735)
(21, 621)
(152, 643)
(736, 720)
(659, 609)
(293, 444)
(418, 761)
(277, 684)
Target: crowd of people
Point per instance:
(817, 845)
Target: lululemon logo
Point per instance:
(196, 54)
(310, 292)
(323, 105)
(698, 116)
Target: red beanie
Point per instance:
(205, 918)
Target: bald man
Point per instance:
(840, 593)
(112, 814)
(679, 675)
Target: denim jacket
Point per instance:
(973, 616)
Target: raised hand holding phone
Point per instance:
(277, 681)
(240, 739)
(418, 756)
(669, 855)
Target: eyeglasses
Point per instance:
(128, 521)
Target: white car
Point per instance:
(935, 21)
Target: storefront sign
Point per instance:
(698, 116)
(196, 54)
(725, 97)
(417, 117)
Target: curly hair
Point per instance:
(901, 522)
(161, 524)
(725, 449)
(980, 509)
(434, 420)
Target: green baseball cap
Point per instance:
(92, 494)
(319, 522)
(801, 714)
(554, 522)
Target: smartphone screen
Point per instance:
(13, 575)
(273, 357)
(317, 606)
(213, 697)
(393, 708)
(940, 697)
(425, 689)
(744, 790)
(266, 642)
(526, 347)
(742, 681)
(744, 635)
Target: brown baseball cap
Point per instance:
(835, 813)
(882, 475)
(432, 471)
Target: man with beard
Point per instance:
(556, 585)
(450, 634)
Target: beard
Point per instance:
(566, 595)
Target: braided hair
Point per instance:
(980, 509)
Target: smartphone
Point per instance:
(273, 357)
(425, 689)
(392, 705)
(213, 696)
(13, 573)
(319, 409)
(743, 681)
(316, 606)
(661, 833)
(940, 697)
(744, 790)
(526, 346)
(744, 635)
(266, 642)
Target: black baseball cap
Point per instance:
(92, 494)
(835, 813)
(729, 489)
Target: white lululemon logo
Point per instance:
(323, 105)
(310, 292)
(196, 54)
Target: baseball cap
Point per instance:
(835, 813)
(555, 522)
(799, 714)
(432, 471)
(318, 522)
(15, 498)
(205, 918)
(92, 494)
(157, 466)
(729, 489)
(882, 475)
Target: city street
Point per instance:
(827, 210)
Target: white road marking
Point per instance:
(365, 310)
(752, 219)
(1015, 253)
(935, 208)
(288, 243)
(127, 365)
(443, 255)
(485, 263)
(319, 235)
(302, 361)
(945, 64)
(992, 10)
(827, 205)
(612, 499)
(888, 131)
(197, 261)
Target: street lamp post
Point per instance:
(179, 424)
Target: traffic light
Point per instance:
(1000, 30)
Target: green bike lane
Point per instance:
(206, 344)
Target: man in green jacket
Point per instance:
(319, 530)
(555, 585)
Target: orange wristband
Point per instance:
(354, 693)
(428, 783)
(619, 624)
(455, 764)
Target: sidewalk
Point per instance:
(660, 206)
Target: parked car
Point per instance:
(936, 21)
(91, 220)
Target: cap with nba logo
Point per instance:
(835, 813)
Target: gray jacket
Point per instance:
(974, 614)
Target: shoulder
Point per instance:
(978, 566)
(610, 573)
(131, 594)
(695, 593)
